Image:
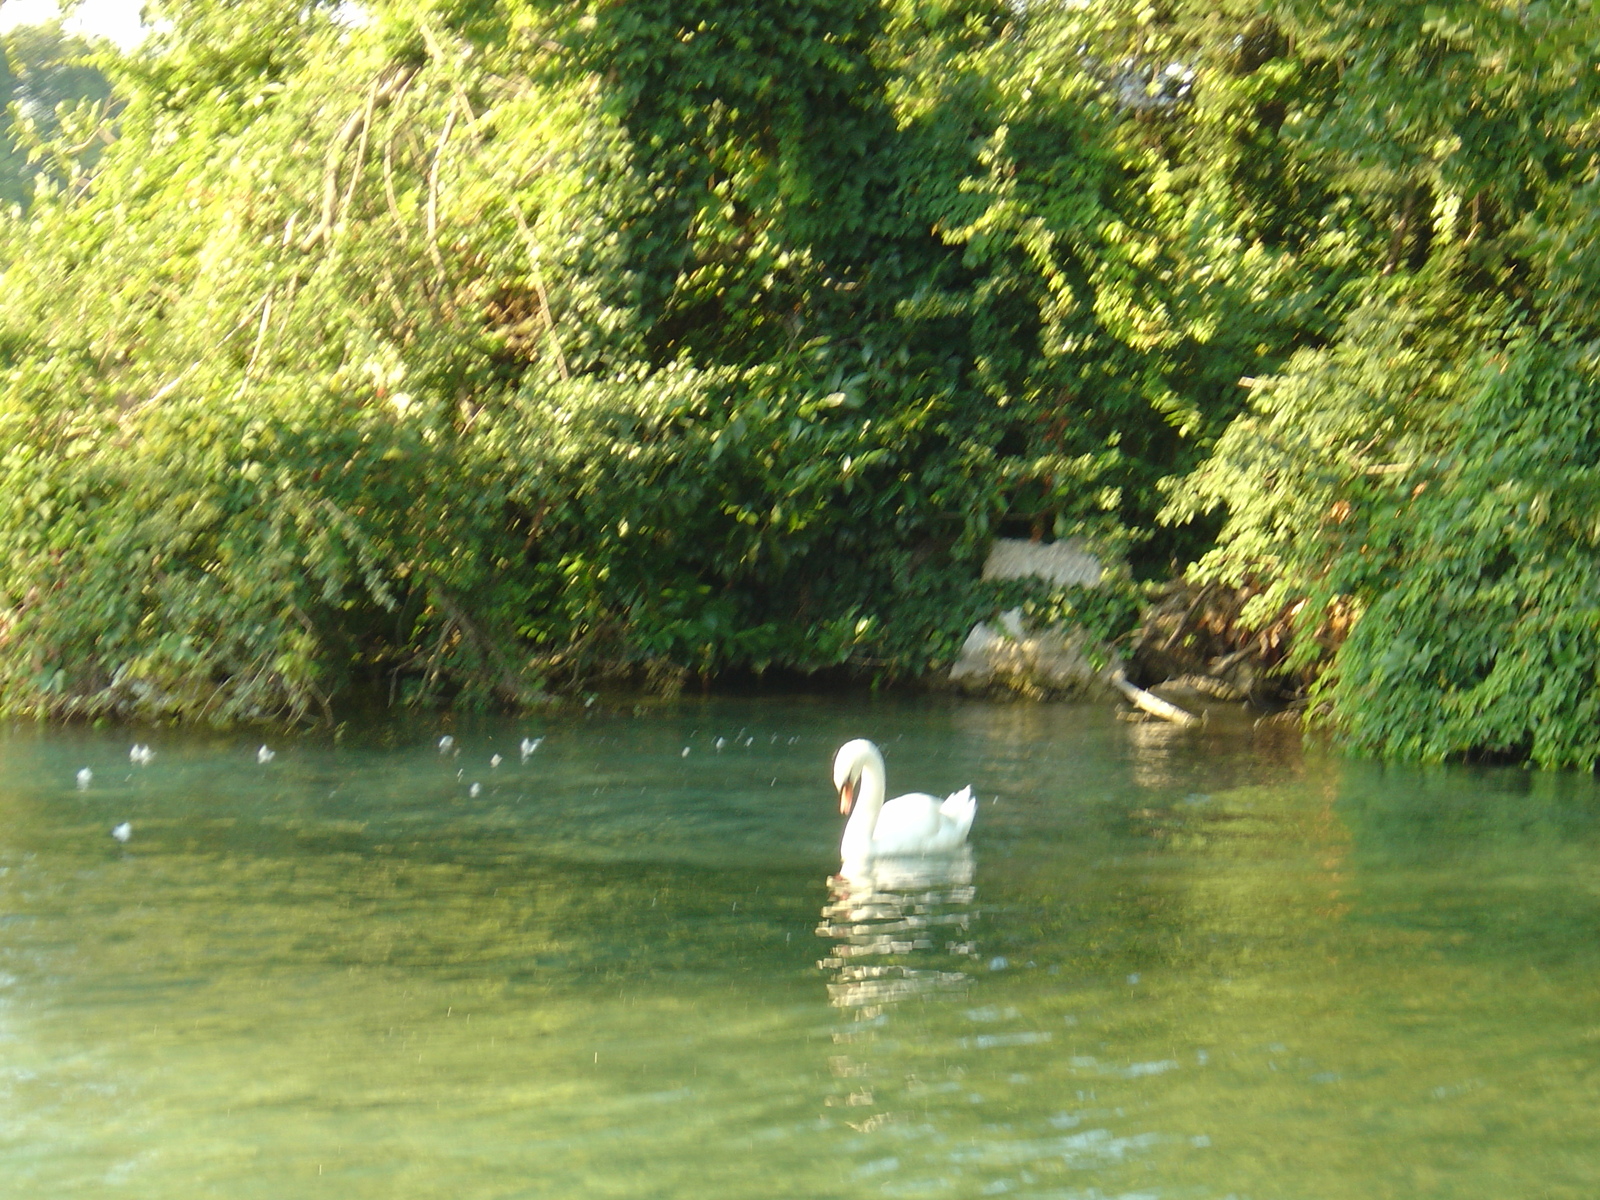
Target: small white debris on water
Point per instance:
(141, 754)
(123, 832)
(266, 754)
(685, 753)
(85, 777)
(721, 742)
(494, 761)
(1140, 1070)
(445, 744)
(529, 745)
(475, 789)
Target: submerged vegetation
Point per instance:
(476, 349)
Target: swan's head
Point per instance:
(848, 765)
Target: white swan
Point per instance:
(907, 826)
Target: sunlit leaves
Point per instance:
(472, 346)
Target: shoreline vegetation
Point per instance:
(476, 352)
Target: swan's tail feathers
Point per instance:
(961, 807)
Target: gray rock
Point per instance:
(1004, 656)
(1061, 563)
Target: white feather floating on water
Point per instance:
(85, 777)
(266, 754)
(123, 832)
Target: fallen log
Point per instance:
(1151, 703)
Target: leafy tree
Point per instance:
(1413, 472)
(688, 388)
(42, 69)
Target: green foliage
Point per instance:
(45, 74)
(446, 351)
(1108, 613)
(484, 347)
(1485, 638)
(1326, 445)
(1424, 475)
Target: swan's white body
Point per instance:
(913, 825)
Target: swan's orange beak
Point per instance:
(847, 796)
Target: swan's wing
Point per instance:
(960, 804)
(907, 824)
(919, 824)
(960, 807)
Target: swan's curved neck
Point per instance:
(869, 801)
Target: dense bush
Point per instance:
(1487, 640)
(1416, 494)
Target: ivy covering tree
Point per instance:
(483, 348)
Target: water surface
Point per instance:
(1198, 964)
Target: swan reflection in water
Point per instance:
(900, 928)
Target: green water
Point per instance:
(1199, 965)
